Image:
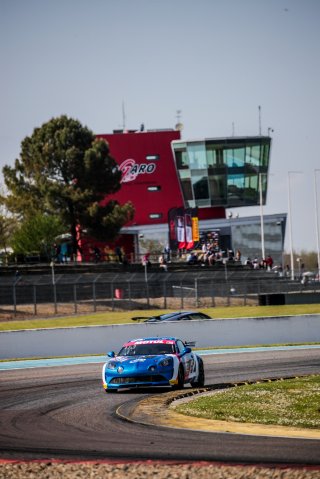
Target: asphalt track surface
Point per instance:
(63, 412)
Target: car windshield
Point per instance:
(150, 349)
(168, 315)
(162, 317)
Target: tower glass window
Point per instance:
(223, 172)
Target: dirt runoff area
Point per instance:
(149, 469)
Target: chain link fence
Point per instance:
(45, 295)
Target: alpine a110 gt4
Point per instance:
(164, 361)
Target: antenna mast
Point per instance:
(123, 117)
(179, 125)
(259, 107)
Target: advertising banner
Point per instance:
(183, 228)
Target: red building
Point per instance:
(161, 172)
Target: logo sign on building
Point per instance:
(130, 169)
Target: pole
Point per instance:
(317, 220)
(261, 219)
(290, 228)
(259, 108)
(145, 272)
(290, 223)
(52, 272)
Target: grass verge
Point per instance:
(123, 317)
(292, 402)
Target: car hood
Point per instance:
(138, 362)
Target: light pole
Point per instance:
(261, 219)
(317, 220)
(52, 272)
(290, 222)
(299, 266)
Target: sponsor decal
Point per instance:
(155, 341)
(130, 169)
(122, 359)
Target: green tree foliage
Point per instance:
(37, 234)
(7, 227)
(64, 170)
(8, 224)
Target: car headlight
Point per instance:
(165, 362)
(111, 365)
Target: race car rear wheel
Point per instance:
(180, 378)
(199, 383)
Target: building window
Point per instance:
(154, 188)
(222, 172)
(155, 216)
(152, 157)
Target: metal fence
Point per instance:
(69, 294)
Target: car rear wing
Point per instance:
(139, 318)
(191, 344)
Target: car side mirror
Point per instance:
(186, 350)
(111, 354)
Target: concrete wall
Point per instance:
(100, 339)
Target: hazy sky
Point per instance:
(215, 60)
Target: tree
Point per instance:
(64, 170)
(37, 234)
(8, 225)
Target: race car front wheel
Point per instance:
(180, 378)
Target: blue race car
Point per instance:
(153, 362)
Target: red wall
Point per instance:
(135, 147)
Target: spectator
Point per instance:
(163, 263)
(238, 255)
(255, 263)
(192, 258)
(269, 263)
(97, 254)
(167, 252)
(118, 253)
(146, 260)
(249, 263)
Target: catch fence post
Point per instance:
(129, 293)
(112, 296)
(212, 295)
(14, 296)
(55, 298)
(94, 296)
(165, 294)
(35, 300)
(75, 298)
(196, 292)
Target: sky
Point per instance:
(231, 67)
